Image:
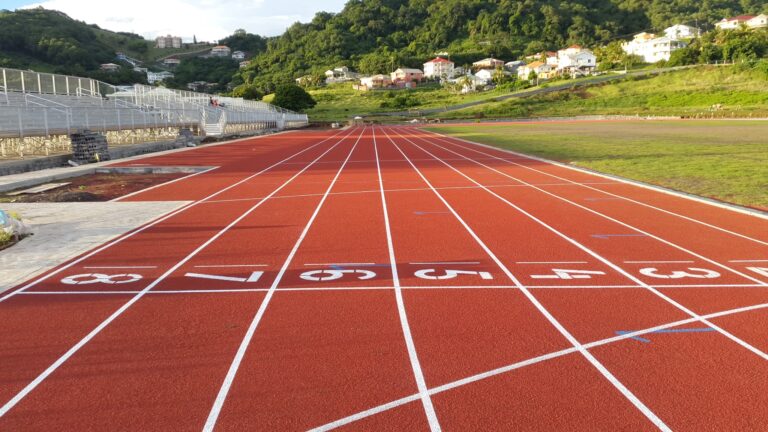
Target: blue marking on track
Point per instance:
(644, 340)
(607, 236)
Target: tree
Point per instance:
(293, 97)
(248, 92)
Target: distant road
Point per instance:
(538, 91)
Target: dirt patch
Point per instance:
(94, 187)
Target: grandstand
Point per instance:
(38, 113)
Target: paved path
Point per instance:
(65, 230)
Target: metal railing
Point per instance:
(41, 106)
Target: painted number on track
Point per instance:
(690, 272)
(762, 271)
(569, 274)
(93, 278)
(331, 275)
(431, 274)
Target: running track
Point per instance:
(390, 278)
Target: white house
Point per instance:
(339, 75)
(438, 67)
(110, 67)
(486, 75)
(221, 51)
(576, 60)
(681, 31)
(153, 77)
(244, 64)
(469, 82)
(238, 55)
(489, 63)
(171, 62)
(376, 81)
(654, 49)
(760, 21)
(733, 22)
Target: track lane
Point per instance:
(627, 401)
(692, 345)
(67, 336)
(655, 203)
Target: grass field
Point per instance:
(725, 160)
(741, 90)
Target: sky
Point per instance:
(208, 20)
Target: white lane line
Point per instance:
(514, 366)
(446, 263)
(605, 261)
(623, 181)
(552, 262)
(367, 288)
(748, 261)
(155, 222)
(253, 278)
(213, 415)
(659, 262)
(340, 264)
(40, 378)
(187, 177)
(118, 267)
(631, 397)
(426, 400)
(231, 266)
(371, 191)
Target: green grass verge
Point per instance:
(741, 90)
(725, 160)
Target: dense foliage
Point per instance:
(378, 35)
(293, 97)
(51, 41)
(216, 70)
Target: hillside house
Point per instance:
(486, 75)
(376, 81)
(733, 22)
(244, 64)
(221, 51)
(339, 75)
(551, 58)
(171, 62)
(542, 70)
(654, 49)
(167, 42)
(406, 75)
(438, 68)
(513, 66)
(681, 31)
(110, 67)
(238, 55)
(489, 63)
(576, 61)
(153, 77)
(760, 21)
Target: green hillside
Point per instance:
(740, 91)
(50, 41)
(374, 36)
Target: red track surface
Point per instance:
(394, 279)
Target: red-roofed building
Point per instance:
(438, 67)
(733, 22)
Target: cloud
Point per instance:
(208, 20)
